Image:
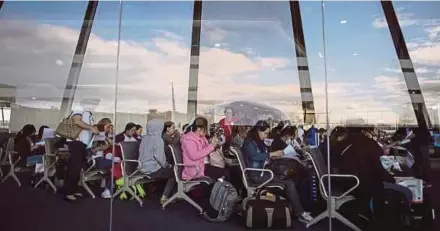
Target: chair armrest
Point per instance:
(262, 171)
(139, 166)
(188, 166)
(93, 164)
(339, 176)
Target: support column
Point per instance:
(407, 66)
(1, 4)
(194, 61)
(78, 59)
(302, 64)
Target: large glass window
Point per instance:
(248, 62)
(420, 25)
(47, 72)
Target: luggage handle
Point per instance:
(258, 196)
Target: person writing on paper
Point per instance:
(78, 148)
(256, 153)
(23, 144)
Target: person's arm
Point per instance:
(159, 155)
(77, 118)
(193, 152)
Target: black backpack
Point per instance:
(392, 212)
(264, 211)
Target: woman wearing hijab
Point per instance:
(153, 159)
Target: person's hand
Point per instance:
(214, 141)
(278, 153)
(95, 131)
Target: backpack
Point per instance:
(267, 211)
(393, 212)
(223, 200)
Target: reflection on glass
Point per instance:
(366, 84)
(154, 62)
(38, 50)
(247, 61)
(420, 24)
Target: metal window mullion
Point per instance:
(194, 60)
(407, 66)
(78, 59)
(302, 63)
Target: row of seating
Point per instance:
(132, 176)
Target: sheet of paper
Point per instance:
(415, 185)
(290, 151)
(47, 134)
(268, 142)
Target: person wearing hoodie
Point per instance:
(196, 148)
(153, 159)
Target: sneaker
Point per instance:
(163, 200)
(106, 194)
(305, 217)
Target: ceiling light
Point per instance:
(343, 21)
(59, 62)
(355, 54)
(217, 45)
(34, 98)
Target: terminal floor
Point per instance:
(28, 209)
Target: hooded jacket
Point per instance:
(194, 149)
(152, 148)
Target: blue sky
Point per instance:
(360, 52)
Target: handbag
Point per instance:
(68, 129)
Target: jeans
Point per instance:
(289, 189)
(399, 188)
(103, 163)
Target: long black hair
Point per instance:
(198, 122)
(253, 135)
(167, 125)
(27, 131)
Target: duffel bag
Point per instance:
(267, 211)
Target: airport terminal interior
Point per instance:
(219, 115)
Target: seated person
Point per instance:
(99, 151)
(256, 154)
(196, 148)
(359, 155)
(24, 146)
(153, 159)
(171, 137)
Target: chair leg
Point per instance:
(318, 218)
(171, 199)
(52, 185)
(192, 202)
(16, 179)
(345, 221)
(39, 182)
(133, 194)
(86, 187)
(6, 177)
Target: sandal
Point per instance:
(78, 195)
(70, 198)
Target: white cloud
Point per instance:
(343, 21)
(147, 69)
(405, 19)
(427, 55)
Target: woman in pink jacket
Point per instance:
(195, 148)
